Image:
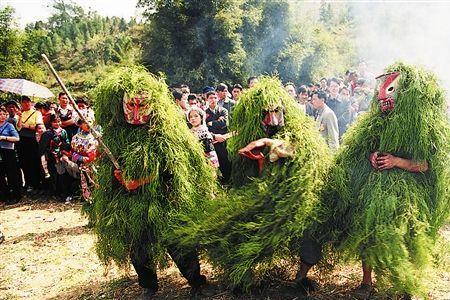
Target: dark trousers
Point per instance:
(185, 259)
(224, 162)
(9, 170)
(310, 251)
(30, 161)
(60, 184)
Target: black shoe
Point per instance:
(363, 292)
(204, 291)
(306, 286)
(148, 293)
(13, 200)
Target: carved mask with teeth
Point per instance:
(387, 90)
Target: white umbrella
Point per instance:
(25, 88)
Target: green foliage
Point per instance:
(391, 218)
(194, 41)
(79, 41)
(262, 219)
(82, 46)
(13, 56)
(205, 42)
(165, 149)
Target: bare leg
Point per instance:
(364, 291)
(303, 271)
(367, 274)
(304, 285)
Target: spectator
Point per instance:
(349, 113)
(251, 81)
(205, 91)
(326, 120)
(217, 122)
(304, 101)
(363, 95)
(196, 118)
(236, 92)
(352, 77)
(363, 71)
(291, 89)
(180, 102)
(193, 101)
(46, 112)
(40, 129)
(185, 91)
(84, 152)
(9, 168)
(27, 149)
(84, 145)
(224, 100)
(323, 84)
(67, 115)
(53, 106)
(316, 88)
(53, 143)
(342, 109)
(85, 109)
(13, 109)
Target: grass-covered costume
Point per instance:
(390, 217)
(274, 200)
(163, 168)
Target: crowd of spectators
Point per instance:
(46, 148)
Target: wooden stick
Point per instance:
(75, 107)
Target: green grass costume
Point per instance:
(164, 150)
(265, 215)
(390, 219)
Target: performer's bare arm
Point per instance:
(256, 144)
(386, 161)
(131, 184)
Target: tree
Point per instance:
(194, 41)
(13, 50)
(209, 41)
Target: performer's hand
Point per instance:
(90, 156)
(118, 175)
(218, 138)
(131, 184)
(386, 161)
(251, 155)
(373, 159)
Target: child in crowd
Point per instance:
(84, 152)
(196, 118)
(40, 129)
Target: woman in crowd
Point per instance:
(53, 143)
(8, 163)
(196, 118)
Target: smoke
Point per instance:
(414, 32)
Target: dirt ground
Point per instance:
(49, 253)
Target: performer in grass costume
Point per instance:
(164, 174)
(390, 184)
(279, 163)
